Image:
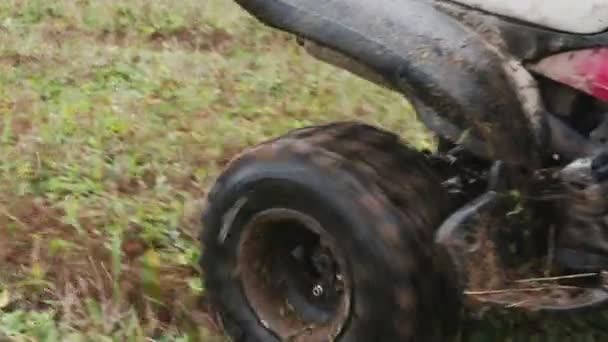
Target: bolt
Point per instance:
(317, 290)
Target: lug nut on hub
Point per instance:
(317, 290)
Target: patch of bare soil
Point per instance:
(118, 38)
(72, 267)
(19, 125)
(17, 59)
(59, 34)
(194, 38)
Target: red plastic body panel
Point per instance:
(585, 70)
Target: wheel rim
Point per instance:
(293, 276)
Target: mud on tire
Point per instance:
(326, 234)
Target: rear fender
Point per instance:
(462, 87)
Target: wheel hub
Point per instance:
(293, 276)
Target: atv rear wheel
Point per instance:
(326, 234)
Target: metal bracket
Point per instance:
(458, 231)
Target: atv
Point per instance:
(341, 232)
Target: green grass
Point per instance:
(115, 117)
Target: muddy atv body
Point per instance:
(342, 232)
